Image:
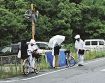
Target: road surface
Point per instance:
(92, 72)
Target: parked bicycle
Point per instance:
(70, 61)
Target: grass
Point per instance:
(89, 55)
(12, 70)
(43, 64)
(9, 71)
(4, 74)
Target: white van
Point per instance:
(94, 44)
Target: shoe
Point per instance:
(80, 65)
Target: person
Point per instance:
(31, 47)
(55, 53)
(22, 51)
(23, 47)
(79, 46)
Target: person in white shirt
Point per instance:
(31, 47)
(79, 46)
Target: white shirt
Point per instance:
(79, 44)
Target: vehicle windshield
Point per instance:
(5, 49)
(42, 46)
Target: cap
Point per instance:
(77, 37)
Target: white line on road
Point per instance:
(8, 81)
(35, 76)
(103, 70)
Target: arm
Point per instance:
(76, 46)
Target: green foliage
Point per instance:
(44, 64)
(89, 55)
(10, 70)
(63, 17)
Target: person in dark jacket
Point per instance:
(24, 48)
(56, 50)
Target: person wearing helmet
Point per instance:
(31, 47)
(79, 46)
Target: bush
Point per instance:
(9, 70)
(89, 55)
(43, 63)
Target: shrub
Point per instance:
(89, 55)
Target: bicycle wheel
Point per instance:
(37, 67)
(36, 71)
(26, 68)
(72, 62)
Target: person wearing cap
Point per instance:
(79, 46)
(31, 47)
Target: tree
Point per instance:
(63, 17)
(75, 1)
(11, 22)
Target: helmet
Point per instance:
(77, 36)
(32, 41)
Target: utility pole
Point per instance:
(32, 16)
(33, 22)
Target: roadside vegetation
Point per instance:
(89, 55)
(12, 70)
(15, 69)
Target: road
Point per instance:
(92, 72)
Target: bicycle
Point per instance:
(27, 67)
(70, 60)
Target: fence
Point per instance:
(9, 66)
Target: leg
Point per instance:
(56, 61)
(53, 61)
(82, 59)
(25, 66)
(78, 58)
(31, 61)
